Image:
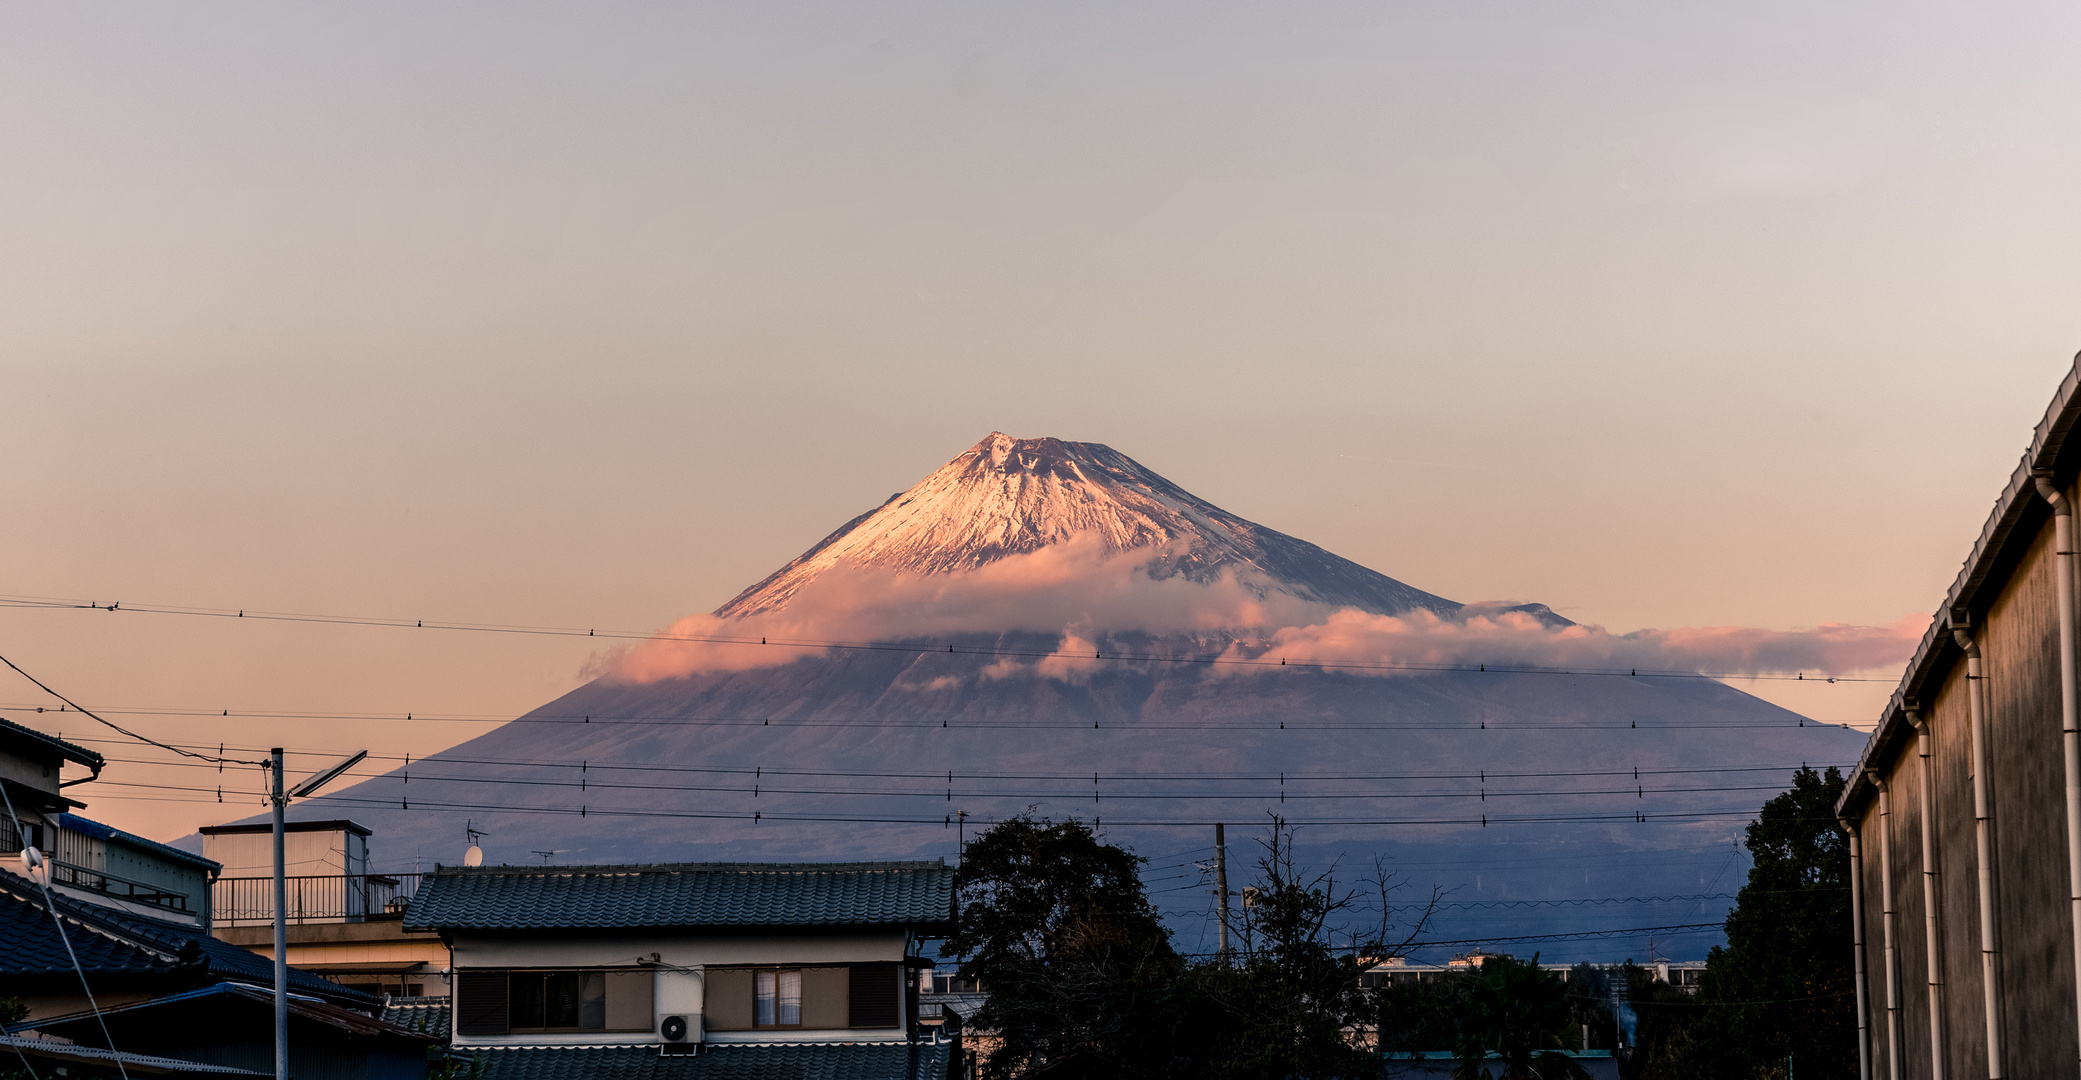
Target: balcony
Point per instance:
(246, 901)
(120, 888)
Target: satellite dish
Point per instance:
(474, 856)
(33, 862)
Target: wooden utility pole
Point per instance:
(1221, 882)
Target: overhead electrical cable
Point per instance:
(1098, 655)
(1095, 795)
(587, 765)
(1271, 723)
(118, 727)
(946, 820)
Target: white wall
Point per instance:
(678, 951)
(681, 991)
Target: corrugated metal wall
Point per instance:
(2019, 643)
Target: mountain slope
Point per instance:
(1007, 496)
(1502, 786)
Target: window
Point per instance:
(559, 1001)
(500, 1002)
(778, 998)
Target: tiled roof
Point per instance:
(735, 1061)
(51, 1049)
(683, 895)
(220, 1003)
(16, 734)
(30, 946)
(117, 942)
(426, 1015)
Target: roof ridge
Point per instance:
(524, 870)
(92, 918)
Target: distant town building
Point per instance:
(1963, 813)
(692, 970)
(345, 923)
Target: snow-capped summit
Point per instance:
(1007, 496)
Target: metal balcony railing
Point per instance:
(122, 888)
(313, 898)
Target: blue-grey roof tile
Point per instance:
(114, 942)
(738, 1061)
(683, 895)
(425, 1015)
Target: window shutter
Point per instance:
(480, 1003)
(871, 993)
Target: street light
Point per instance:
(281, 802)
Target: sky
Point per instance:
(1664, 315)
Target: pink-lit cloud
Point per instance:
(1080, 594)
(1509, 639)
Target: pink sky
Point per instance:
(1701, 317)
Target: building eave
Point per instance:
(2009, 530)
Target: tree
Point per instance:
(1783, 985)
(1518, 1012)
(1291, 1004)
(1055, 925)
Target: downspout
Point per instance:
(1983, 837)
(2069, 706)
(1857, 944)
(1932, 954)
(1886, 927)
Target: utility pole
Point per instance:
(281, 802)
(1221, 881)
(280, 799)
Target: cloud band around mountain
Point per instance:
(1082, 594)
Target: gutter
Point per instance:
(2000, 541)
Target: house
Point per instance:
(344, 922)
(167, 989)
(88, 860)
(126, 957)
(31, 768)
(52, 1057)
(1964, 811)
(692, 969)
(230, 1025)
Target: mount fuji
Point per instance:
(1051, 627)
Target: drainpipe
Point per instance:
(1983, 837)
(1932, 953)
(1857, 945)
(1886, 926)
(2069, 706)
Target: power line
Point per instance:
(118, 727)
(1264, 660)
(760, 816)
(1273, 723)
(1058, 777)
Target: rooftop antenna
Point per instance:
(475, 855)
(545, 856)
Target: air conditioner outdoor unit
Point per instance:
(680, 1033)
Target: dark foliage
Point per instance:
(1290, 1003)
(1055, 924)
(1783, 986)
(1057, 928)
(1665, 1017)
(1520, 1014)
